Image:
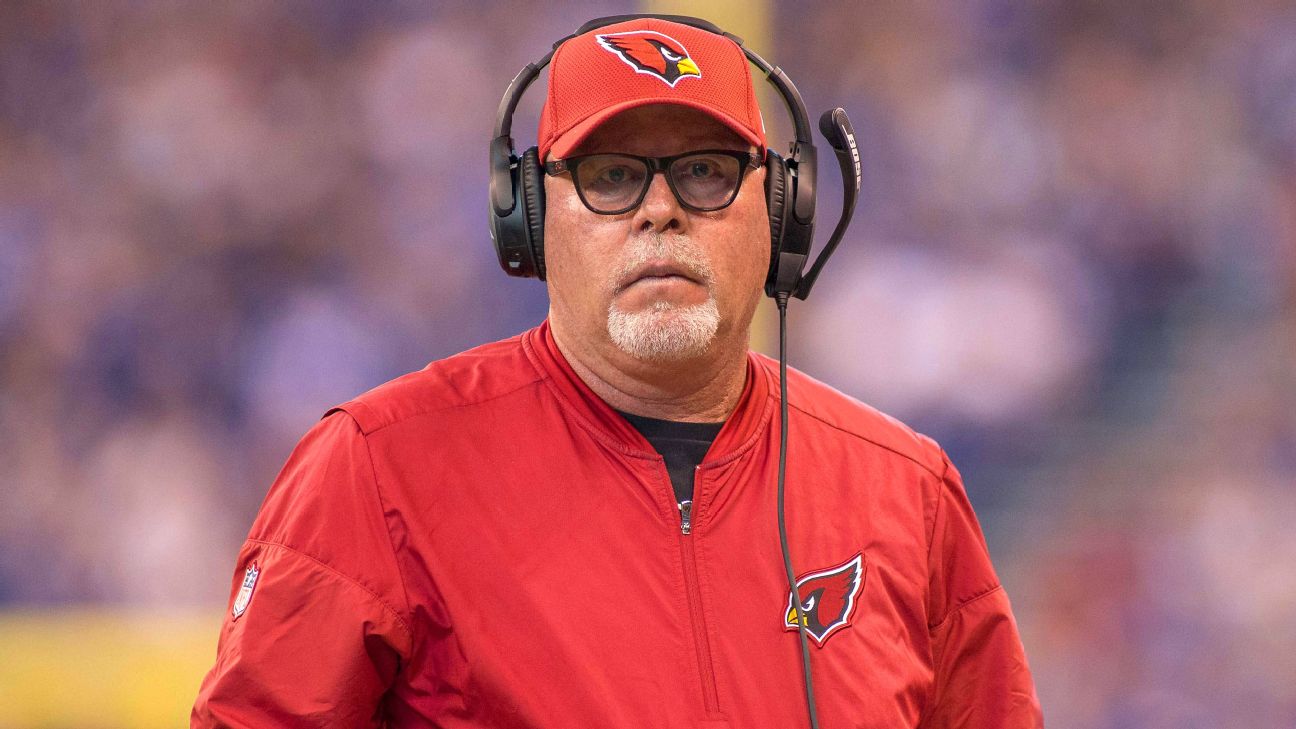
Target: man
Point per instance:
(497, 541)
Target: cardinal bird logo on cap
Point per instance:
(827, 599)
(653, 53)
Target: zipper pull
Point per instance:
(686, 516)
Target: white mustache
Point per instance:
(679, 250)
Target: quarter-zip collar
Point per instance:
(740, 432)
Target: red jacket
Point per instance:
(486, 543)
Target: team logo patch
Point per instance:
(245, 592)
(653, 53)
(827, 599)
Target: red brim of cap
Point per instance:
(572, 138)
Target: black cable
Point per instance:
(782, 299)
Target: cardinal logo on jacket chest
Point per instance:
(828, 599)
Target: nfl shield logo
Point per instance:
(245, 592)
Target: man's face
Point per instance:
(660, 282)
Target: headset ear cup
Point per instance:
(531, 176)
(776, 202)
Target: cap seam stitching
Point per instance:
(751, 90)
(552, 97)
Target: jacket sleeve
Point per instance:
(982, 680)
(323, 630)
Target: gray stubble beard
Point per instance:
(666, 332)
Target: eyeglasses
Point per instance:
(611, 184)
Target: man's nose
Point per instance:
(659, 210)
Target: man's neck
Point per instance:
(704, 389)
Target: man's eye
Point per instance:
(701, 169)
(614, 175)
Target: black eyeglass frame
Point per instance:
(746, 160)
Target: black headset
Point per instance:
(517, 198)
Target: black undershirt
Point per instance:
(683, 445)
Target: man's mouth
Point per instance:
(659, 271)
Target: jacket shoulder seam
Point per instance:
(984, 593)
(424, 411)
(865, 438)
(346, 578)
(774, 394)
(940, 499)
(373, 470)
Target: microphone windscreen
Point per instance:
(836, 128)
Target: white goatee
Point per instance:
(665, 331)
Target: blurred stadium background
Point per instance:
(1074, 264)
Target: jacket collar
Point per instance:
(741, 430)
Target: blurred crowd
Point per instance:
(1074, 264)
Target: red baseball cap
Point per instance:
(606, 71)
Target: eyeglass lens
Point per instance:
(613, 182)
